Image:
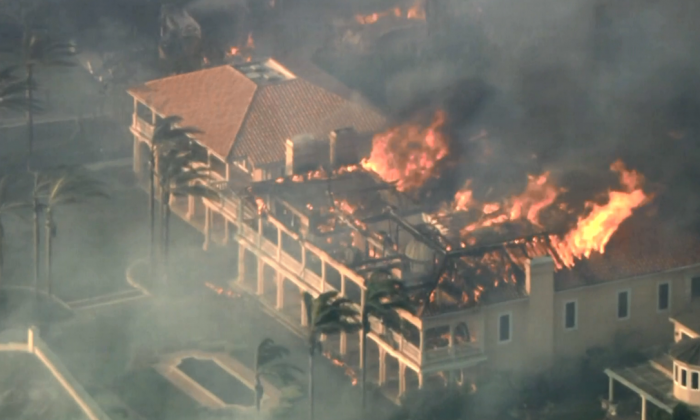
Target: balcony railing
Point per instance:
(141, 126)
(276, 252)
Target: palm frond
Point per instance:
(269, 352)
(68, 185)
(286, 373)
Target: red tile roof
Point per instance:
(242, 119)
(642, 245)
(280, 111)
(214, 100)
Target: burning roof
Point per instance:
(475, 249)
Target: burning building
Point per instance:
(521, 283)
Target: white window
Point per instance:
(570, 315)
(623, 304)
(684, 378)
(664, 297)
(504, 328)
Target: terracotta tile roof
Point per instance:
(280, 111)
(242, 119)
(642, 245)
(214, 100)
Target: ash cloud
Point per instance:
(571, 87)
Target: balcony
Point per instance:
(450, 354)
(141, 127)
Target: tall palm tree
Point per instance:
(13, 91)
(166, 136)
(325, 315)
(38, 49)
(6, 205)
(269, 361)
(384, 295)
(180, 176)
(65, 186)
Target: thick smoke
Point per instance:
(571, 87)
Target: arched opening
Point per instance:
(269, 294)
(462, 334)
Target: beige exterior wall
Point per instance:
(508, 355)
(597, 323)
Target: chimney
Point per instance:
(304, 153)
(343, 147)
(539, 285)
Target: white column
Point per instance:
(207, 228)
(382, 366)
(304, 321)
(280, 291)
(190, 207)
(402, 378)
(362, 360)
(644, 407)
(279, 244)
(343, 343)
(227, 233)
(241, 263)
(420, 380)
(611, 388)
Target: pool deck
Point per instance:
(168, 367)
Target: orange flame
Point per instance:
(408, 154)
(539, 194)
(593, 231)
(415, 12)
(349, 371)
(260, 203)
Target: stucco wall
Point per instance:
(597, 321)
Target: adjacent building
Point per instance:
(296, 227)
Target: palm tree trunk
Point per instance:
(30, 111)
(166, 236)
(311, 382)
(363, 348)
(37, 209)
(152, 207)
(2, 253)
(258, 392)
(48, 239)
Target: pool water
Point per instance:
(219, 382)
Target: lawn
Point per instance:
(95, 241)
(29, 391)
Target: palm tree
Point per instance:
(40, 50)
(269, 362)
(180, 176)
(64, 186)
(13, 91)
(325, 315)
(6, 205)
(384, 295)
(166, 137)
